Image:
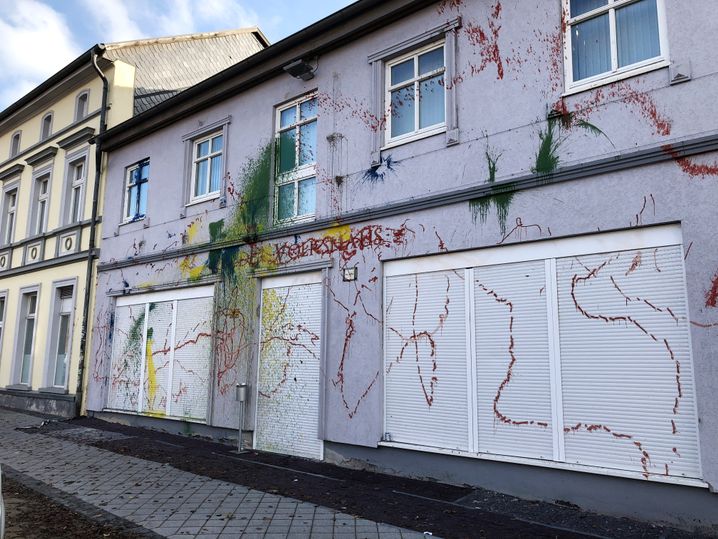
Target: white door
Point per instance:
(288, 380)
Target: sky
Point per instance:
(40, 37)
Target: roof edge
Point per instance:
(69, 69)
(186, 37)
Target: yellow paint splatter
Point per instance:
(192, 230)
(146, 284)
(151, 376)
(340, 232)
(190, 269)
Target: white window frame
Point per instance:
(38, 218)
(80, 111)
(209, 195)
(46, 133)
(15, 142)
(23, 316)
(126, 218)
(417, 133)
(54, 326)
(616, 73)
(3, 315)
(8, 213)
(298, 173)
(75, 187)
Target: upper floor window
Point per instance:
(75, 191)
(295, 186)
(15, 145)
(2, 315)
(9, 212)
(81, 106)
(136, 184)
(46, 127)
(207, 167)
(608, 38)
(415, 93)
(40, 204)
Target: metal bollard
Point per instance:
(241, 397)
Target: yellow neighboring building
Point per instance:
(51, 186)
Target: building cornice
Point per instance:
(43, 155)
(77, 138)
(11, 172)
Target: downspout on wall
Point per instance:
(97, 51)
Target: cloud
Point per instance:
(37, 42)
(113, 20)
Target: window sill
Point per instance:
(414, 137)
(200, 200)
(294, 221)
(130, 221)
(654, 65)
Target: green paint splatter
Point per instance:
(500, 196)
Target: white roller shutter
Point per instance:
(628, 399)
(192, 353)
(426, 360)
(289, 370)
(512, 360)
(128, 341)
(158, 357)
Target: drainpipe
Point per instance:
(97, 51)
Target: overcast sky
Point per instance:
(39, 37)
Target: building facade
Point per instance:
(470, 241)
(51, 190)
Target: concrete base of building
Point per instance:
(171, 426)
(691, 508)
(49, 403)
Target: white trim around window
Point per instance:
(296, 168)
(207, 167)
(3, 314)
(192, 141)
(137, 179)
(614, 71)
(61, 326)
(8, 213)
(40, 202)
(27, 311)
(75, 187)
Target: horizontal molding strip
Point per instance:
(667, 151)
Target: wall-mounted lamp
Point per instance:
(299, 69)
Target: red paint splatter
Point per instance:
(520, 231)
(635, 263)
(487, 42)
(448, 5)
(712, 294)
(689, 166)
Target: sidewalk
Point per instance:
(168, 501)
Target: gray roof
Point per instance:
(166, 66)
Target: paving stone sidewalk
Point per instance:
(168, 501)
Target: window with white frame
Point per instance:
(75, 193)
(40, 204)
(606, 38)
(415, 93)
(46, 127)
(3, 300)
(27, 335)
(61, 336)
(9, 213)
(296, 182)
(207, 166)
(81, 106)
(136, 185)
(15, 145)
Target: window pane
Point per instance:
(431, 60)
(145, 171)
(143, 199)
(75, 208)
(287, 151)
(43, 187)
(285, 204)
(591, 47)
(61, 359)
(135, 176)
(308, 109)
(637, 29)
(200, 178)
(2, 309)
(308, 143)
(402, 111)
(132, 202)
(307, 196)
(217, 144)
(27, 351)
(216, 174)
(32, 304)
(584, 6)
(401, 72)
(288, 117)
(40, 217)
(202, 148)
(431, 102)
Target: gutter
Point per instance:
(96, 51)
